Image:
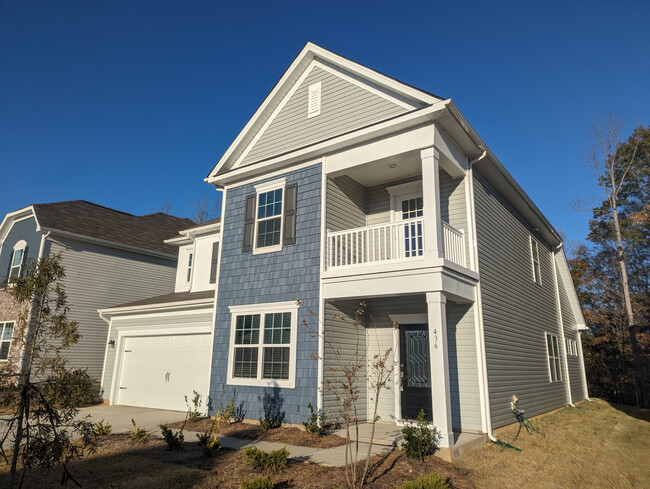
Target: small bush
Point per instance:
(431, 481)
(208, 442)
(275, 460)
(315, 424)
(174, 439)
(193, 413)
(103, 428)
(259, 483)
(419, 439)
(138, 433)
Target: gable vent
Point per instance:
(313, 104)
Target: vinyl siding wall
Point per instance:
(346, 204)
(344, 107)
(516, 311)
(98, 278)
(342, 336)
(574, 363)
(286, 275)
(160, 321)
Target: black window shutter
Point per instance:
(289, 236)
(213, 264)
(249, 223)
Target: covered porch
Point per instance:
(431, 342)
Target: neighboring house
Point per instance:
(109, 257)
(159, 348)
(348, 186)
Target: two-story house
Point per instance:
(158, 349)
(348, 186)
(109, 257)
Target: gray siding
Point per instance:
(342, 336)
(463, 368)
(452, 205)
(344, 107)
(516, 311)
(146, 321)
(21, 230)
(346, 204)
(574, 363)
(378, 201)
(99, 277)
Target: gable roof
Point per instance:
(311, 58)
(83, 218)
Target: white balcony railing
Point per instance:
(392, 241)
(454, 240)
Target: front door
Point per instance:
(415, 370)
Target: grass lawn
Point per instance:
(595, 446)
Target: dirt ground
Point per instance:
(283, 434)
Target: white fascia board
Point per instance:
(179, 241)
(11, 217)
(200, 230)
(315, 150)
(306, 55)
(108, 244)
(163, 307)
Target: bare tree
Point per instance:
(613, 166)
(204, 209)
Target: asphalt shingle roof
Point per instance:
(96, 221)
(169, 298)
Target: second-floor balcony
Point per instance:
(389, 242)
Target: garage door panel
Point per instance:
(159, 371)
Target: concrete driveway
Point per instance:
(120, 416)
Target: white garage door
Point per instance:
(158, 371)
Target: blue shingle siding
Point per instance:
(289, 274)
(24, 229)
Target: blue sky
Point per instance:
(130, 103)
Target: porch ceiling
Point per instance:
(379, 171)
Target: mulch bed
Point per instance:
(283, 434)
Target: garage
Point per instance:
(159, 371)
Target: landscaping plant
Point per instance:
(138, 433)
(315, 424)
(229, 411)
(419, 439)
(174, 439)
(259, 483)
(103, 428)
(209, 441)
(193, 413)
(41, 396)
(271, 417)
(431, 481)
(275, 460)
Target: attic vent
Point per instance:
(313, 104)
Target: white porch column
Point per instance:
(440, 395)
(433, 239)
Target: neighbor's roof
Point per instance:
(96, 221)
(163, 300)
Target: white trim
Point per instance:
(549, 357)
(3, 323)
(13, 217)
(320, 393)
(20, 245)
(262, 309)
(272, 185)
(422, 318)
(282, 171)
(535, 262)
(401, 192)
(564, 339)
(397, 378)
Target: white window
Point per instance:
(534, 252)
(190, 257)
(575, 347)
(263, 345)
(18, 259)
(268, 216)
(6, 334)
(553, 358)
(313, 102)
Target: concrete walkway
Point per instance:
(120, 419)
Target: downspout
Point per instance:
(479, 311)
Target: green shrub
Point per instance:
(315, 424)
(103, 428)
(174, 439)
(230, 411)
(259, 483)
(208, 442)
(193, 413)
(138, 433)
(419, 439)
(431, 481)
(271, 416)
(275, 460)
